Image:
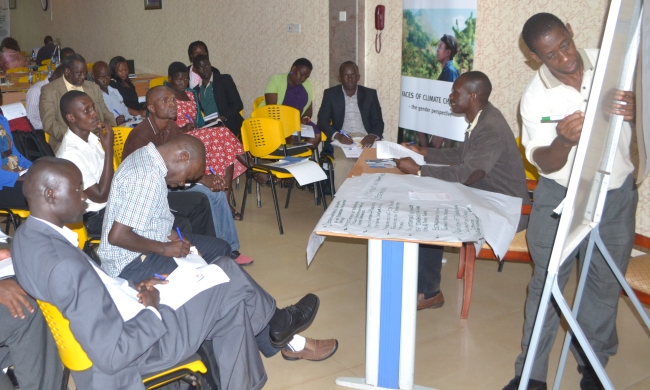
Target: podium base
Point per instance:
(360, 383)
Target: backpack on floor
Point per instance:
(32, 145)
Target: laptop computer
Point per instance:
(131, 65)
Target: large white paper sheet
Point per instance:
(6, 268)
(305, 171)
(387, 149)
(379, 206)
(351, 151)
(191, 260)
(13, 111)
(186, 282)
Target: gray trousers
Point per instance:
(597, 315)
(342, 164)
(28, 345)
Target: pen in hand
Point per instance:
(189, 118)
(180, 235)
(157, 276)
(344, 134)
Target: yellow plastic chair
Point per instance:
(290, 119)
(45, 62)
(330, 164)
(42, 68)
(261, 136)
(531, 171)
(86, 242)
(23, 79)
(18, 70)
(14, 217)
(47, 137)
(157, 81)
(121, 134)
(256, 103)
(74, 357)
(89, 66)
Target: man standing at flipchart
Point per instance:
(561, 88)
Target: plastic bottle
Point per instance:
(30, 76)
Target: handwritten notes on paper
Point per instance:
(387, 149)
(422, 209)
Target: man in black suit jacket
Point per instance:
(355, 113)
(224, 94)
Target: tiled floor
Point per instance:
(477, 353)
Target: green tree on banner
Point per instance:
(418, 50)
(464, 60)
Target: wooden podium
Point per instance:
(391, 305)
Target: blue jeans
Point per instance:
(224, 226)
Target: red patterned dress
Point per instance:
(221, 145)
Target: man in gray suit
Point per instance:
(488, 160)
(125, 331)
(74, 78)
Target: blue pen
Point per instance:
(159, 277)
(344, 133)
(178, 231)
(412, 143)
(212, 171)
(189, 118)
(115, 111)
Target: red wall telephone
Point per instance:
(380, 14)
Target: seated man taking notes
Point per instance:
(488, 160)
(124, 328)
(349, 110)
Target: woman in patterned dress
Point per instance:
(224, 152)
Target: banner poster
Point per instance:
(429, 27)
(4, 19)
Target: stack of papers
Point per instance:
(387, 149)
(351, 151)
(13, 111)
(210, 117)
(303, 170)
(382, 163)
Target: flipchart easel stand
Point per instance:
(568, 236)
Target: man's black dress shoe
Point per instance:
(532, 384)
(300, 316)
(589, 379)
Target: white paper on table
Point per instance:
(378, 206)
(6, 268)
(434, 196)
(306, 131)
(186, 282)
(13, 111)
(351, 151)
(304, 171)
(387, 149)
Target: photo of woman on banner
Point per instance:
(445, 52)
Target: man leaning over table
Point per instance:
(74, 78)
(488, 160)
(354, 109)
(562, 86)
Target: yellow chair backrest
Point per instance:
(289, 116)
(157, 81)
(82, 233)
(23, 79)
(531, 171)
(18, 70)
(47, 137)
(45, 62)
(89, 66)
(262, 136)
(42, 68)
(256, 103)
(121, 134)
(71, 353)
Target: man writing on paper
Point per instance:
(124, 328)
(349, 110)
(562, 86)
(488, 160)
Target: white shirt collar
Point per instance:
(80, 143)
(64, 231)
(474, 122)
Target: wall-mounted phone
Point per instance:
(380, 15)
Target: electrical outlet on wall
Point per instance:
(293, 28)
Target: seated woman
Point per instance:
(295, 90)
(11, 184)
(11, 57)
(224, 152)
(120, 81)
(196, 48)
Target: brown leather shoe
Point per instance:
(434, 302)
(315, 350)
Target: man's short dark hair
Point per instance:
(303, 62)
(47, 39)
(479, 83)
(348, 63)
(66, 102)
(200, 58)
(451, 44)
(539, 26)
(68, 61)
(195, 44)
(66, 51)
(175, 68)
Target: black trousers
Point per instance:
(429, 268)
(13, 198)
(192, 213)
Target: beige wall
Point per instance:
(247, 39)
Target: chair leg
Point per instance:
(331, 169)
(501, 265)
(66, 378)
(258, 192)
(320, 190)
(469, 280)
(237, 183)
(286, 204)
(243, 202)
(461, 260)
(275, 202)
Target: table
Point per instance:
(391, 307)
(141, 82)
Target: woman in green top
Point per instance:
(294, 90)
